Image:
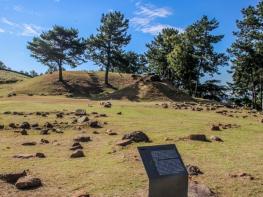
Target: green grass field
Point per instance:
(104, 172)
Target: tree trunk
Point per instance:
(60, 72)
(261, 93)
(107, 75)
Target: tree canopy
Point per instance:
(247, 55)
(185, 57)
(57, 47)
(106, 47)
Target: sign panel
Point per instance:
(162, 160)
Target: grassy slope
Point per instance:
(79, 83)
(120, 174)
(6, 76)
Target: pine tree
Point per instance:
(247, 54)
(104, 47)
(57, 47)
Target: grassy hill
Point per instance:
(75, 82)
(7, 76)
(91, 85)
(151, 91)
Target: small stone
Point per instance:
(82, 138)
(215, 138)
(215, 128)
(44, 141)
(199, 190)
(164, 105)
(80, 112)
(23, 156)
(77, 154)
(12, 125)
(110, 132)
(25, 125)
(94, 124)
(136, 136)
(2, 126)
(40, 155)
(81, 194)
(124, 142)
(83, 119)
(198, 137)
(106, 104)
(12, 177)
(48, 125)
(44, 132)
(23, 132)
(34, 125)
(29, 144)
(193, 170)
(119, 113)
(28, 182)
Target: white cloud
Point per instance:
(2, 30)
(155, 29)
(31, 30)
(145, 15)
(22, 29)
(8, 22)
(18, 8)
(151, 11)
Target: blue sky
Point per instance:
(20, 20)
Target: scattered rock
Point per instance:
(106, 104)
(110, 132)
(243, 175)
(198, 137)
(44, 132)
(80, 112)
(199, 190)
(193, 170)
(81, 194)
(124, 142)
(164, 105)
(77, 154)
(28, 182)
(136, 136)
(40, 155)
(25, 125)
(35, 125)
(48, 125)
(94, 124)
(2, 126)
(215, 128)
(29, 144)
(24, 156)
(12, 177)
(83, 119)
(12, 125)
(76, 146)
(60, 115)
(82, 138)
(44, 141)
(216, 138)
(23, 132)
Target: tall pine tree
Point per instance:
(106, 46)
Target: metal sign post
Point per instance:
(167, 174)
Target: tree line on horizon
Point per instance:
(182, 58)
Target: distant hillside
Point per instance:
(9, 76)
(149, 90)
(76, 83)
